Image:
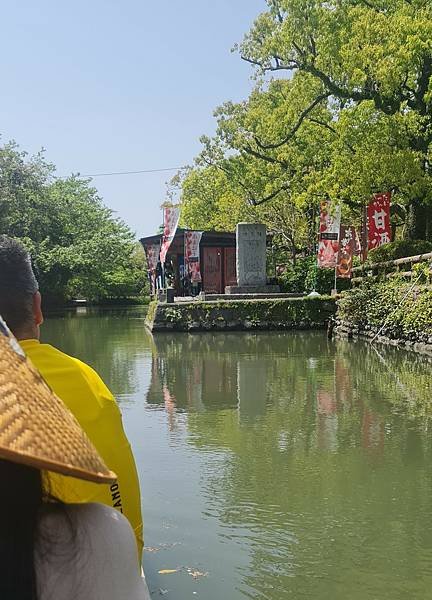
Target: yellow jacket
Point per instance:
(88, 398)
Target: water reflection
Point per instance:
(320, 441)
(100, 338)
(254, 372)
(285, 465)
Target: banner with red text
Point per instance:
(171, 221)
(347, 249)
(192, 241)
(328, 244)
(378, 216)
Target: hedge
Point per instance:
(399, 249)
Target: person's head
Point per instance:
(20, 300)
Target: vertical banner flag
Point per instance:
(152, 255)
(364, 235)
(171, 221)
(378, 213)
(328, 245)
(192, 254)
(347, 249)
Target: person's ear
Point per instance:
(37, 309)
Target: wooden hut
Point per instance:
(217, 259)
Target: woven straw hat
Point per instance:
(36, 428)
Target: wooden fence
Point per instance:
(390, 268)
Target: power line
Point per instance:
(130, 172)
(120, 173)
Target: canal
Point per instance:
(273, 466)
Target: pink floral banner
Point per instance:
(192, 241)
(171, 221)
(328, 244)
(152, 255)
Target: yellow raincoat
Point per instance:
(88, 398)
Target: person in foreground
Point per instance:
(77, 385)
(49, 549)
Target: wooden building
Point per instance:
(217, 259)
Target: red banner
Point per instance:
(328, 245)
(171, 221)
(192, 254)
(347, 249)
(378, 213)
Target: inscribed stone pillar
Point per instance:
(251, 254)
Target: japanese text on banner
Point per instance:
(378, 213)
(347, 248)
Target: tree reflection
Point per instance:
(324, 478)
(111, 341)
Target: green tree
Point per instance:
(78, 247)
(363, 56)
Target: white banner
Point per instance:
(171, 221)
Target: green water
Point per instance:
(282, 465)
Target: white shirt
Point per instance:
(87, 553)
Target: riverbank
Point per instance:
(55, 304)
(242, 315)
(345, 330)
(392, 312)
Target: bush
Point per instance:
(399, 249)
(305, 276)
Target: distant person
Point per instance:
(78, 385)
(51, 550)
(159, 276)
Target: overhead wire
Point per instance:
(109, 174)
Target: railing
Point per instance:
(390, 268)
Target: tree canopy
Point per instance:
(342, 108)
(78, 247)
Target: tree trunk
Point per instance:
(419, 221)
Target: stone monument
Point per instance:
(251, 261)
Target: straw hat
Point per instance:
(36, 428)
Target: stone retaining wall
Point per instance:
(240, 315)
(422, 344)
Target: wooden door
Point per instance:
(212, 270)
(230, 266)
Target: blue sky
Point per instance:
(109, 86)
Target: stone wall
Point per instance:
(240, 315)
(418, 343)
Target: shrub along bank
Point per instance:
(304, 276)
(284, 313)
(397, 311)
(399, 249)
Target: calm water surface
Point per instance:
(281, 465)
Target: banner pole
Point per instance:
(163, 264)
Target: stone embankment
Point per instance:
(417, 343)
(241, 315)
